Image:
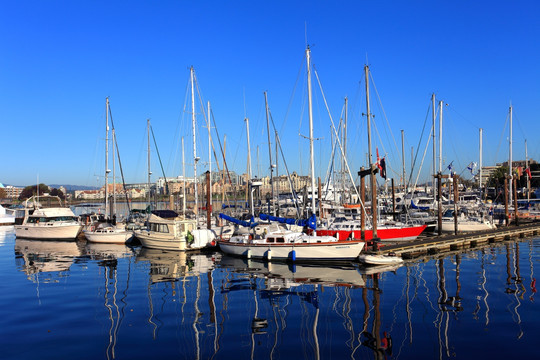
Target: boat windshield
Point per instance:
(51, 219)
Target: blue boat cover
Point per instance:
(251, 222)
(311, 222)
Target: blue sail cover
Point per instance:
(311, 222)
(251, 223)
(423, 208)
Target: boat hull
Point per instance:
(465, 226)
(154, 241)
(379, 259)
(341, 250)
(384, 234)
(118, 237)
(46, 231)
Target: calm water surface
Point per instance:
(90, 301)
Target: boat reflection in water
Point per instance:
(45, 256)
(136, 302)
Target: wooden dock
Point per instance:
(440, 244)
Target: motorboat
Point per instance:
(174, 233)
(380, 259)
(48, 223)
(7, 217)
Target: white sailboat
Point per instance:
(178, 232)
(284, 244)
(107, 232)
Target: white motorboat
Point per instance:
(7, 217)
(52, 223)
(107, 233)
(174, 234)
(380, 259)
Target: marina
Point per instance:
(111, 301)
(279, 181)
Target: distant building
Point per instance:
(12, 192)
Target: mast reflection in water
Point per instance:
(73, 299)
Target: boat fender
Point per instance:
(293, 255)
(213, 243)
(269, 254)
(189, 237)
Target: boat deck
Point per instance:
(437, 244)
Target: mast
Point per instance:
(107, 157)
(344, 142)
(480, 166)
(310, 111)
(113, 210)
(248, 192)
(433, 111)
(526, 167)
(193, 123)
(440, 135)
(149, 172)
(184, 180)
(510, 156)
(403, 159)
(270, 152)
(372, 175)
(209, 158)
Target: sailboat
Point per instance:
(342, 228)
(278, 242)
(166, 230)
(108, 231)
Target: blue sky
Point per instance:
(61, 59)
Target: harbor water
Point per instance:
(94, 301)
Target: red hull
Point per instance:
(388, 234)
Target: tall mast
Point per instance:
(433, 111)
(248, 192)
(107, 158)
(440, 135)
(184, 180)
(344, 142)
(372, 175)
(113, 210)
(193, 123)
(403, 158)
(526, 167)
(480, 164)
(270, 152)
(510, 157)
(149, 172)
(310, 111)
(210, 155)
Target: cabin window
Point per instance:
(280, 240)
(270, 240)
(163, 228)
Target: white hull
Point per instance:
(47, 231)
(379, 259)
(156, 241)
(346, 250)
(113, 237)
(466, 226)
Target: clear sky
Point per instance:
(59, 60)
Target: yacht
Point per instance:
(48, 223)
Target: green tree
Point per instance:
(497, 177)
(57, 192)
(32, 190)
